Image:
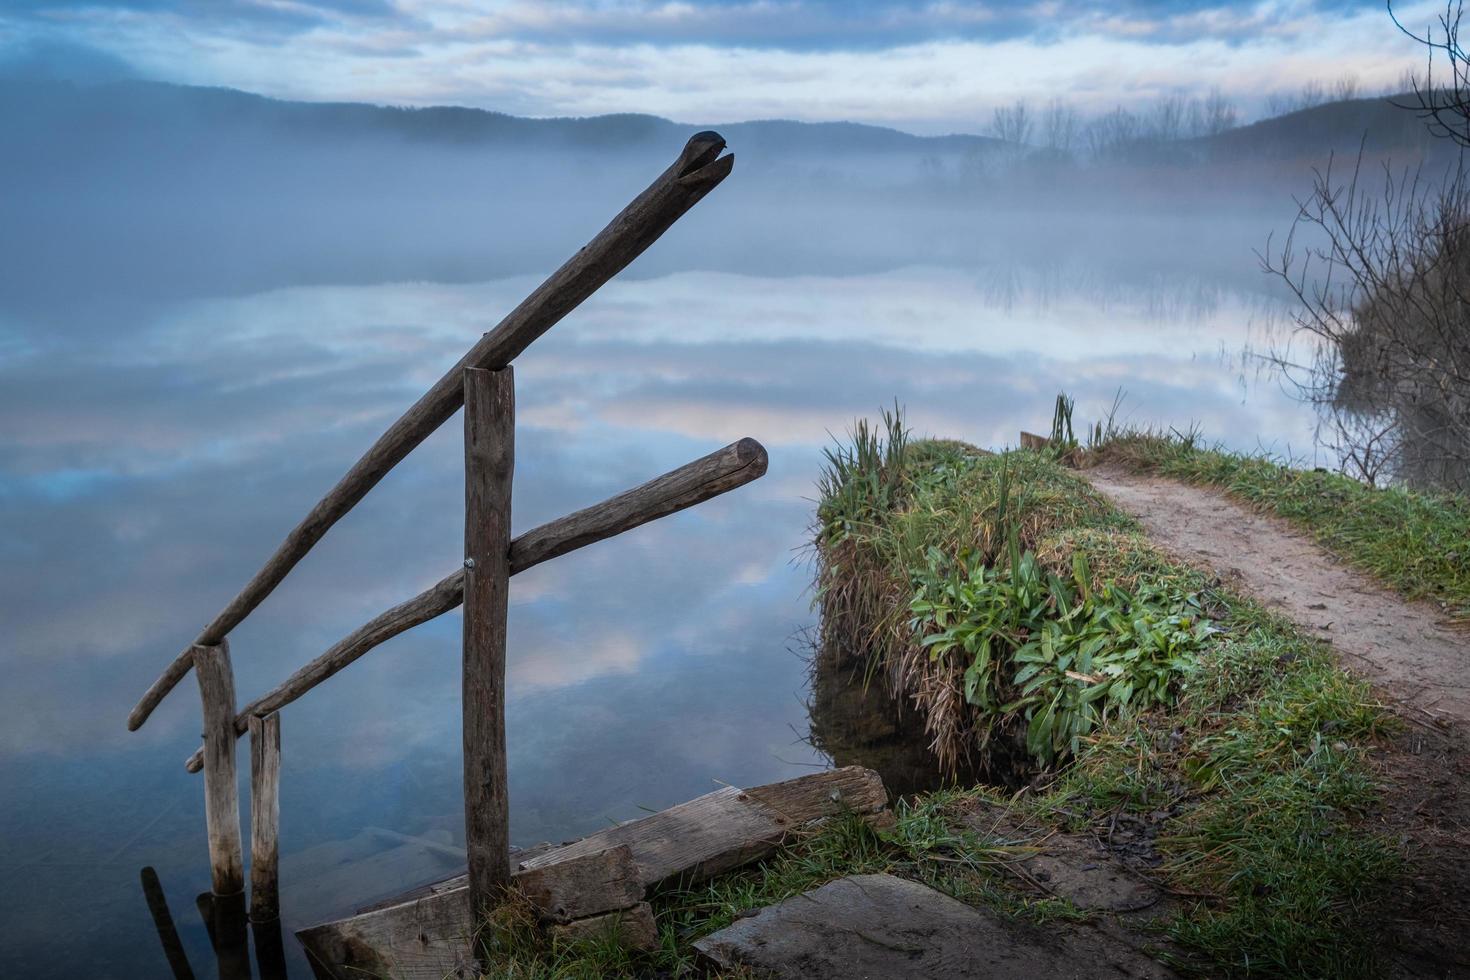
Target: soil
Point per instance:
(1417, 665)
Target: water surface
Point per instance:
(158, 437)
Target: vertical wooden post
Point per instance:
(489, 458)
(221, 797)
(265, 816)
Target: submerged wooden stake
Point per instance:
(489, 462)
(221, 798)
(265, 817)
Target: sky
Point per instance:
(926, 66)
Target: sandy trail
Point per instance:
(1399, 646)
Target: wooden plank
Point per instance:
(633, 927)
(163, 923)
(424, 939)
(489, 464)
(713, 833)
(221, 797)
(596, 883)
(265, 817)
(697, 171)
(719, 472)
(1030, 440)
(451, 882)
(427, 936)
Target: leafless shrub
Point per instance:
(1441, 96)
(1381, 277)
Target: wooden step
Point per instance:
(427, 935)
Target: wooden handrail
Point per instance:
(697, 171)
(721, 471)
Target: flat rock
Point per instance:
(1068, 866)
(1093, 881)
(878, 926)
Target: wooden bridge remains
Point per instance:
(482, 382)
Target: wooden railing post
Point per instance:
(265, 816)
(221, 798)
(489, 457)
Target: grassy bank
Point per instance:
(1247, 758)
(1039, 633)
(1415, 542)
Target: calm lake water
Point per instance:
(155, 446)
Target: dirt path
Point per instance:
(1413, 662)
(1399, 646)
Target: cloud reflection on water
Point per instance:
(143, 479)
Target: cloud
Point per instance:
(57, 59)
(923, 65)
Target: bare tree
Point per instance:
(1345, 88)
(1059, 126)
(1167, 119)
(1309, 96)
(1012, 123)
(1382, 282)
(1215, 115)
(1111, 134)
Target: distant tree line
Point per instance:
(1058, 128)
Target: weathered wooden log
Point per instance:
(720, 472)
(221, 797)
(424, 937)
(697, 171)
(265, 817)
(709, 476)
(489, 463)
(1030, 440)
(163, 923)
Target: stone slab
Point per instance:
(879, 926)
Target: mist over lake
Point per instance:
(211, 303)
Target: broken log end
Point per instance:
(702, 149)
(705, 178)
(750, 452)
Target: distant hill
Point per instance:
(149, 190)
(137, 107)
(155, 115)
(1379, 126)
